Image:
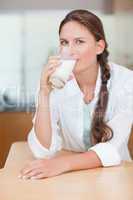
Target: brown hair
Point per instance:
(100, 131)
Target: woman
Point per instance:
(92, 115)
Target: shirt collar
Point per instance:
(73, 87)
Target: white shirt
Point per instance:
(66, 111)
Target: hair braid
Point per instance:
(101, 132)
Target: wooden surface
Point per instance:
(14, 126)
(102, 183)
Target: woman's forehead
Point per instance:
(74, 29)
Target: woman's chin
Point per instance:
(78, 71)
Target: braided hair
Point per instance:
(100, 131)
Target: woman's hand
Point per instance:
(49, 68)
(44, 168)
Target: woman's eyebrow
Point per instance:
(63, 39)
(79, 38)
(74, 38)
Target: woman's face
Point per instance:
(81, 45)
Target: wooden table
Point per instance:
(102, 183)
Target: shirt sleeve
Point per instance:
(109, 152)
(38, 150)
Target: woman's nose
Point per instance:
(72, 51)
(68, 50)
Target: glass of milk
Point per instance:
(63, 72)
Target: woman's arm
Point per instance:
(86, 160)
(52, 167)
(43, 139)
(42, 124)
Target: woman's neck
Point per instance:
(87, 79)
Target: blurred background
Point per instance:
(28, 35)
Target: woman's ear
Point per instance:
(100, 46)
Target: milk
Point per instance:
(62, 73)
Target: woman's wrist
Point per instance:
(43, 100)
(64, 163)
(44, 90)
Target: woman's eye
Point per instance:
(79, 41)
(63, 43)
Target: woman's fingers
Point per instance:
(50, 58)
(52, 67)
(54, 60)
(50, 72)
(38, 176)
(27, 170)
(29, 167)
(34, 170)
(35, 164)
(49, 69)
(53, 63)
(47, 72)
(33, 173)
